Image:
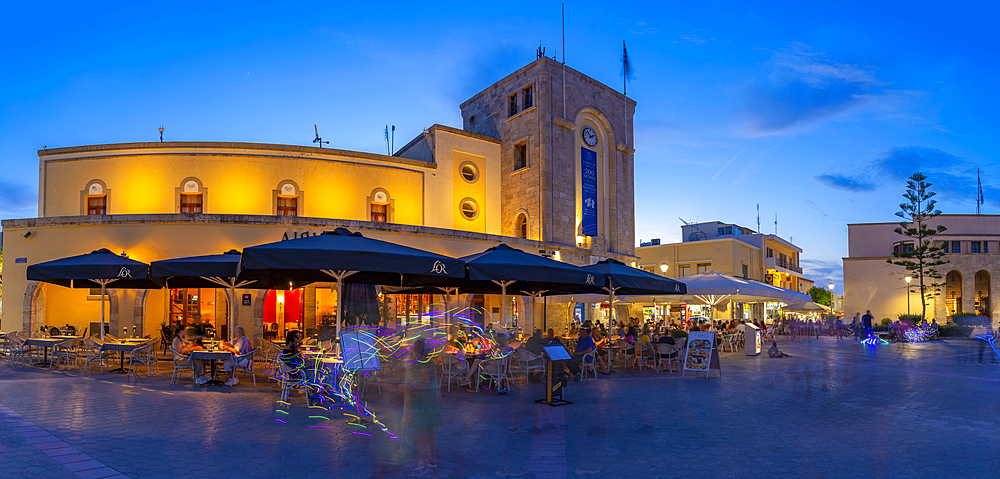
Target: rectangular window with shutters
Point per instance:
(956, 246)
(191, 204)
(97, 205)
(512, 105)
(684, 270)
(975, 247)
(745, 271)
(770, 253)
(288, 206)
(703, 267)
(986, 247)
(526, 96)
(380, 213)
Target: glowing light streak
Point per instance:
(279, 420)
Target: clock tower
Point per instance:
(566, 161)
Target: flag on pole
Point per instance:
(627, 69)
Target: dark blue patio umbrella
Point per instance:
(621, 279)
(515, 271)
(345, 257)
(210, 271)
(96, 269)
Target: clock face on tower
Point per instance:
(589, 137)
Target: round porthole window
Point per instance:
(469, 209)
(472, 119)
(469, 172)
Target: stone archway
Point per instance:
(982, 285)
(31, 309)
(139, 312)
(953, 292)
(258, 315)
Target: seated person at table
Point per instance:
(183, 347)
(291, 356)
(584, 345)
(241, 345)
(666, 338)
(645, 339)
(534, 343)
(774, 352)
(602, 352)
(550, 338)
(630, 340)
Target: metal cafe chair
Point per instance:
(65, 351)
(452, 368)
(181, 363)
(244, 362)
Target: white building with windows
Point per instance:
(972, 245)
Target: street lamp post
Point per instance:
(908, 279)
(833, 310)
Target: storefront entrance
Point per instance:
(194, 306)
(283, 312)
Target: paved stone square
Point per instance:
(831, 410)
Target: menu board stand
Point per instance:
(700, 354)
(556, 354)
(751, 339)
(359, 352)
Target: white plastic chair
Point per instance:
(667, 353)
(588, 364)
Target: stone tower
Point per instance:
(566, 162)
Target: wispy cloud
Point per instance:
(824, 272)
(952, 177)
(17, 200)
(846, 183)
(693, 38)
(799, 87)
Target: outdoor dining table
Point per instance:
(213, 356)
(122, 348)
(45, 343)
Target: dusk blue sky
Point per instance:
(815, 110)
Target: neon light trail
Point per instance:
(329, 386)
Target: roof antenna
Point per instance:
(776, 224)
(318, 139)
(541, 51)
(758, 218)
(161, 133)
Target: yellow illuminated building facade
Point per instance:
(730, 249)
(451, 191)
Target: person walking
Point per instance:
(856, 326)
(866, 322)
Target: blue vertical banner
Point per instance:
(588, 176)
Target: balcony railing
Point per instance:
(785, 264)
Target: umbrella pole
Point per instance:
(104, 287)
(503, 304)
(232, 309)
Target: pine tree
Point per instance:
(918, 256)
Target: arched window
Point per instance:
(95, 198)
(983, 293)
(521, 226)
(953, 292)
(192, 197)
(380, 206)
(288, 199)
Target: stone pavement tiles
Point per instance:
(831, 410)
